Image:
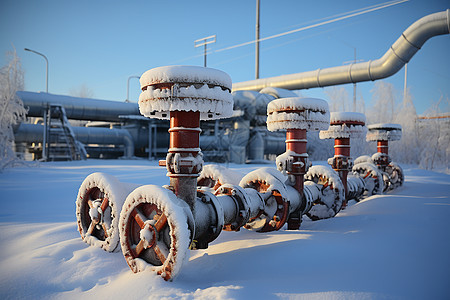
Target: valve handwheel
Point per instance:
(154, 231)
(331, 189)
(98, 205)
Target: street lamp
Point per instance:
(128, 85)
(46, 60)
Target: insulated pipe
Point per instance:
(34, 133)
(390, 63)
(77, 108)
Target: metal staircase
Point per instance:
(59, 140)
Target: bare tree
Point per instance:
(83, 91)
(12, 111)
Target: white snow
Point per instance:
(207, 91)
(188, 74)
(384, 132)
(343, 131)
(341, 117)
(175, 211)
(392, 246)
(307, 113)
(340, 129)
(116, 193)
(220, 173)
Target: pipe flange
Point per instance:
(214, 230)
(186, 88)
(345, 125)
(298, 113)
(184, 163)
(384, 132)
(341, 163)
(242, 205)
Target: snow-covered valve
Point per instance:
(298, 115)
(343, 127)
(156, 228)
(382, 133)
(98, 205)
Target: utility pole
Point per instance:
(257, 42)
(354, 85)
(203, 42)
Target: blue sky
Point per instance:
(100, 44)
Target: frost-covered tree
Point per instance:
(83, 91)
(338, 98)
(384, 103)
(434, 132)
(12, 111)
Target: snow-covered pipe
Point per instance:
(382, 133)
(343, 126)
(296, 115)
(77, 108)
(87, 135)
(390, 63)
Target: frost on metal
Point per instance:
(219, 175)
(363, 158)
(298, 113)
(186, 88)
(270, 176)
(174, 241)
(345, 125)
(384, 132)
(101, 186)
(332, 192)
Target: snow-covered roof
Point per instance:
(297, 113)
(186, 88)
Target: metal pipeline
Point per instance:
(86, 135)
(390, 63)
(78, 108)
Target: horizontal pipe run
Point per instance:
(390, 63)
(34, 133)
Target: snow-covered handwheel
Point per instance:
(373, 178)
(156, 229)
(332, 192)
(213, 176)
(270, 184)
(396, 176)
(98, 206)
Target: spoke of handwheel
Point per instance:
(104, 205)
(91, 227)
(162, 221)
(90, 203)
(140, 247)
(139, 217)
(105, 230)
(159, 253)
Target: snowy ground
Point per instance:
(394, 246)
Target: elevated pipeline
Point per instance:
(78, 108)
(390, 63)
(86, 135)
